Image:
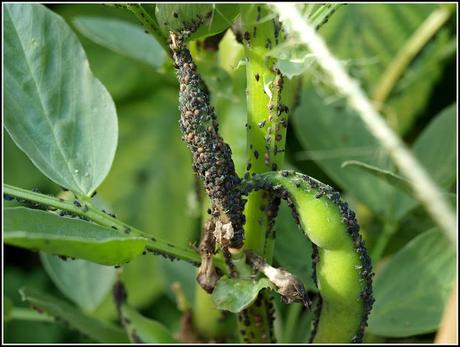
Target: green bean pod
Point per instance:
(342, 267)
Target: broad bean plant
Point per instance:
(198, 193)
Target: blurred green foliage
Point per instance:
(151, 183)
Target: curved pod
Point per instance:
(343, 270)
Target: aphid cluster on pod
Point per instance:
(277, 183)
(211, 156)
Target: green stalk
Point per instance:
(258, 74)
(266, 136)
(293, 315)
(20, 313)
(88, 210)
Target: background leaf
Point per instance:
(368, 37)
(413, 288)
(97, 330)
(40, 230)
(292, 248)
(83, 282)
(388, 176)
(347, 139)
(122, 37)
(152, 166)
(435, 148)
(234, 294)
(144, 330)
(56, 111)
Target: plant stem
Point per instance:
(20, 313)
(425, 189)
(88, 210)
(407, 53)
(266, 136)
(292, 318)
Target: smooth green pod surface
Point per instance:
(343, 270)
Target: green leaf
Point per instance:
(413, 288)
(142, 292)
(388, 176)
(7, 308)
(61, 310)
(144, 330)
(292, 248)
(333, 134)
(235, 295)
(122, 37)
(435, 148)
(45, 231)
(369, 36)
(181, 272)
(56, 111)
(215, 18)
(19, 171)
(83, 282)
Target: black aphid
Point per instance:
(8, 197)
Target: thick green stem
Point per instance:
(20, 313)
(259, 38)
(291, 322)
(89, 211)
(266, 134)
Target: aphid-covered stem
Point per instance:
(207, 276)
(211, 156)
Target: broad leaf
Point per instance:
(435, 148)
(141, 329)
(368, 37)
(56, 111)
(215, 18)
(61, 310)
(292, 248)
(45, 231)
(122, 37)
(333, 134)
(235, 295)
(388, 176)
(413, 288)
(83, 282)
